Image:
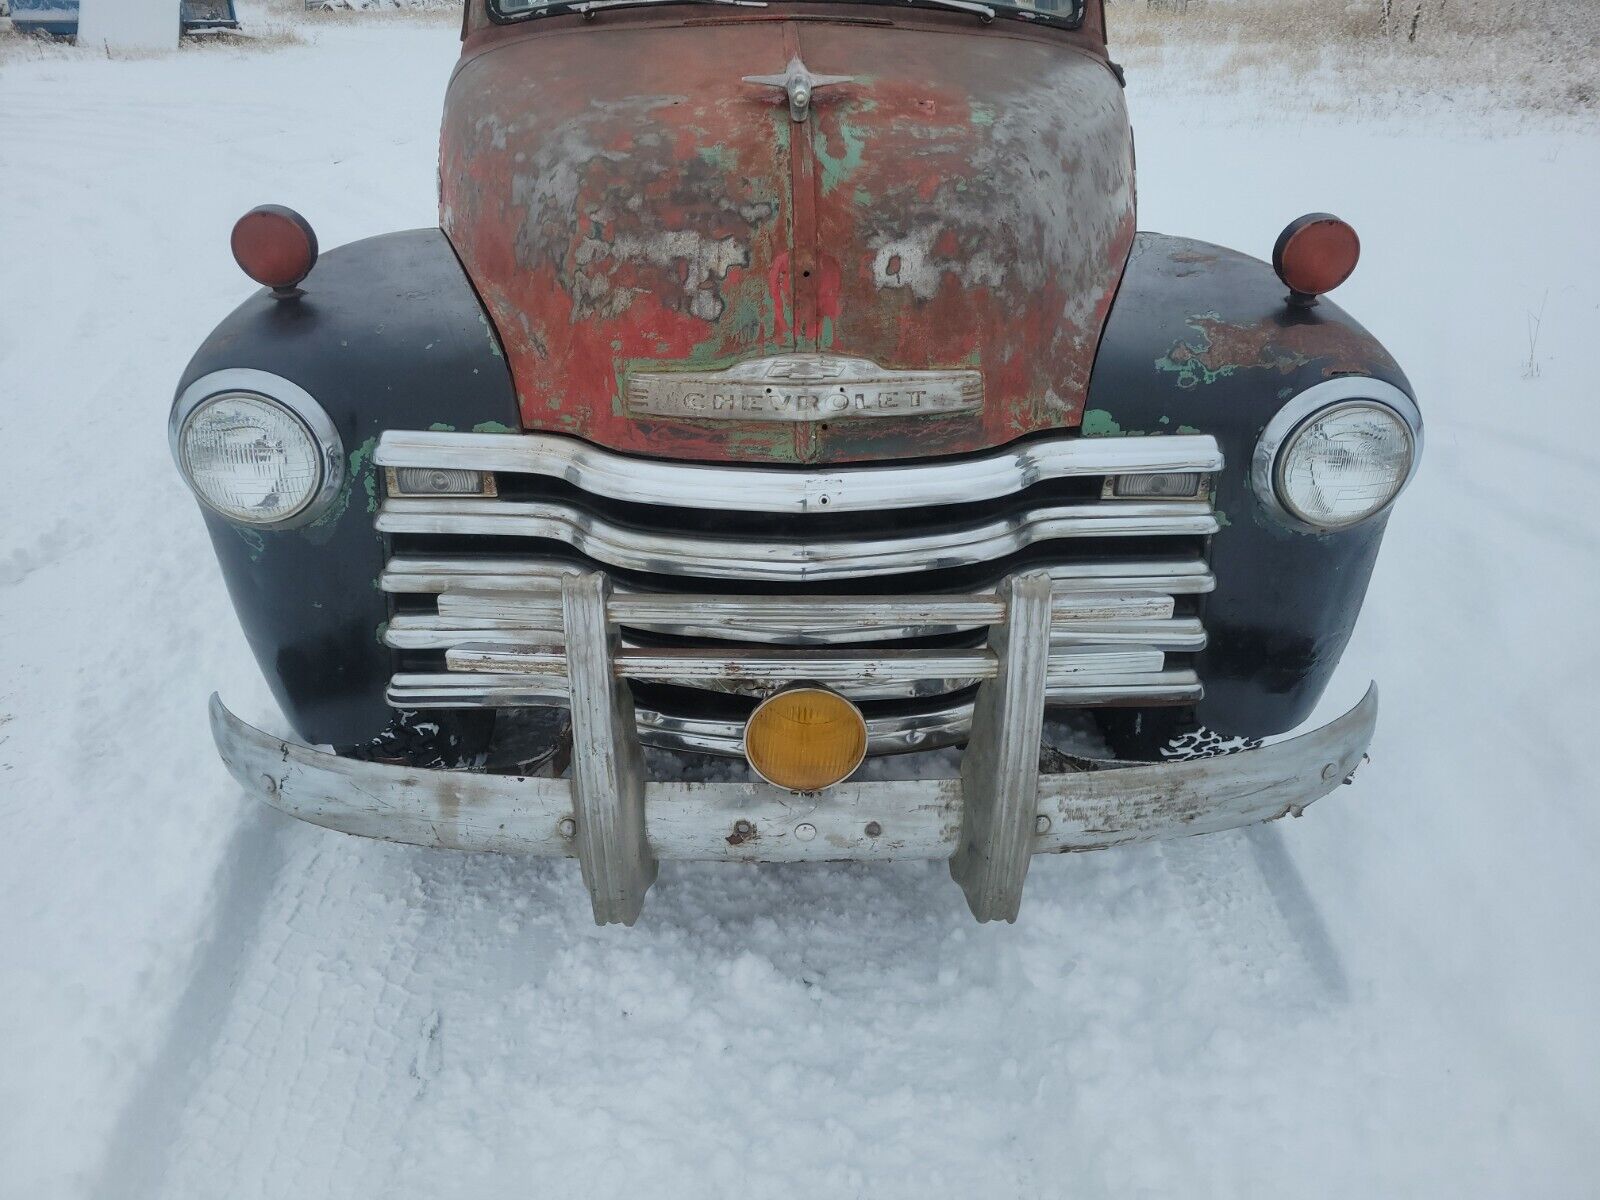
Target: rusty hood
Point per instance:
(630, 208)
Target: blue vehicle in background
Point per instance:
(59, 18)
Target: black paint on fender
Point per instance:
(1203, 339)
(388, 335)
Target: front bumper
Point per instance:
(988, 823)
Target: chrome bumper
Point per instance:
(988, 823)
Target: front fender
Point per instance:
(1201, 339)
(388, 335)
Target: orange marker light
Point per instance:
(805, 739)
(275, 246)
(1315, 254)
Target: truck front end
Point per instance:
(789, 383)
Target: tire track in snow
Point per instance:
(1243, 894)
(135, 1160)
(320, 1041)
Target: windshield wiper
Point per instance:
(589, 6)
(972, 6)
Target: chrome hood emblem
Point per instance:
(802, 387)
(800, 83)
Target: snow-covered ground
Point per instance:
(1395, 996)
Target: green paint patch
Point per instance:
(982, 114)
(723, 158)
(837, 167)
(361, 466)
(1222, 518)
(754, 444)
(1199, 360)
(1185, 428)
(383, 628)
(361, 472)
(1098, 422)
(492, 427)
(442, 427)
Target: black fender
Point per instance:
(389, 334)
(1203, 339)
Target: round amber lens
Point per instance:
(805, 739)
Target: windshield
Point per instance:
(1065, 13)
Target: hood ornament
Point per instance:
(800, 83)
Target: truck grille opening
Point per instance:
(729, 582)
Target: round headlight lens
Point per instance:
(250, 458)
(1344, 464)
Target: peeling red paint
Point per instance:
(1281, 344)
(623, 201)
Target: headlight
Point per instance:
(256, 448)
(1338, 453)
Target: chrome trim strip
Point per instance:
(1330, 393)
(749, 670)
(819, 614)
(771, 489)
(1083, 810)
(432, 631)
(742, 558)
(459, 689)
(291, 397)
(408, 574)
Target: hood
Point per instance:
(935, 246)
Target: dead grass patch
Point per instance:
(429, 12)
(1375, 55)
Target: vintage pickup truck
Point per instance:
(789, 382)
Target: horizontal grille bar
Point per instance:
(430, 631)
(418, 575)
(805, 613)
(765, 489)
(440, 689)
(772, 668)
(790, 560)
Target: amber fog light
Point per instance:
(805, 739)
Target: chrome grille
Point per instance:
(792, 592)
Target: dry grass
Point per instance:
(1376, 55)
(441, 12)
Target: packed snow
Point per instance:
(1394, 996)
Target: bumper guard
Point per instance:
(988, 823)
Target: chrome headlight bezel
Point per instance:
(1317, 402)
(281, 393)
